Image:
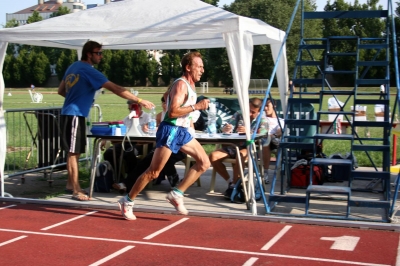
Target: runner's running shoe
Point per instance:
(126, 208)
(177, 201)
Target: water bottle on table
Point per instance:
(152, 122)
(212, 119)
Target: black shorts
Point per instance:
(73, 133)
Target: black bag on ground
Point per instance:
(238, 193)
(342, 172)
(104, 177)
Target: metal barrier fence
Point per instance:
(34, 142)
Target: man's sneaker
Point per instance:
(126, 208)
(177, 201)
(266, 179)
(228, 192)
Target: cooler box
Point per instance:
(360, 113)
(105, 128)
(101, 128)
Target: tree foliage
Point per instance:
(276, 14)
(62, 10)
(34, 18)
(357, 27)
(26, 64)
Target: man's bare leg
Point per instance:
(266, 157)
(160, 158)
(266, 151)
(73, 176)
(217, 157)
(194, 149)
(73, 172)
(236, 167)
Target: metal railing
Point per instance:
(34, 142)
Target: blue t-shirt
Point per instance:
(81, 83)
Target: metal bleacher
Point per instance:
(357, 70)
(258, 86)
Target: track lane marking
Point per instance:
(67, 221)
(111, 256)
(9, 206)
(250, 261)
(166, 228)
(253, 253)
(276, 237)
(12, 240)
(345, 243)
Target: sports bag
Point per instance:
(300, 176)
(238, 193)
(104, 177)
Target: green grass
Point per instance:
(115, 108)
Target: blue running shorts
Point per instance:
(173, 137)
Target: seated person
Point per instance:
(274, 135)
(129, 152)
(217, 156)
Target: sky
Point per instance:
(7, 6)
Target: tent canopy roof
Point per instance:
(138, 24)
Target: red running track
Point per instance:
(49, 235)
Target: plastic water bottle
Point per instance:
(152, 122)
(212, 119)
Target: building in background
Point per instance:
(46, 8)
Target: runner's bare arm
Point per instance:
(124, 93)
(178, 96)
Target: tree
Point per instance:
(166, 68)
(40, 68)
(67, 57)
(105, 63)
(277, 14)
(360, 27)
(34, 18)
(62, 10)
(211, 2)
(12, 23)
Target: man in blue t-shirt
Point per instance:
(78, 86)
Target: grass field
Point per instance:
(115, 108)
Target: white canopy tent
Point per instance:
(154, 24)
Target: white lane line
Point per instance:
(250, 262)
(250, 253)
(9, 206)
(67, 221)
(398, 255)
(166, 228)
(12, 240)
(115, 254)
(276, 238)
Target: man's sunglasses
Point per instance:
(98, 53)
